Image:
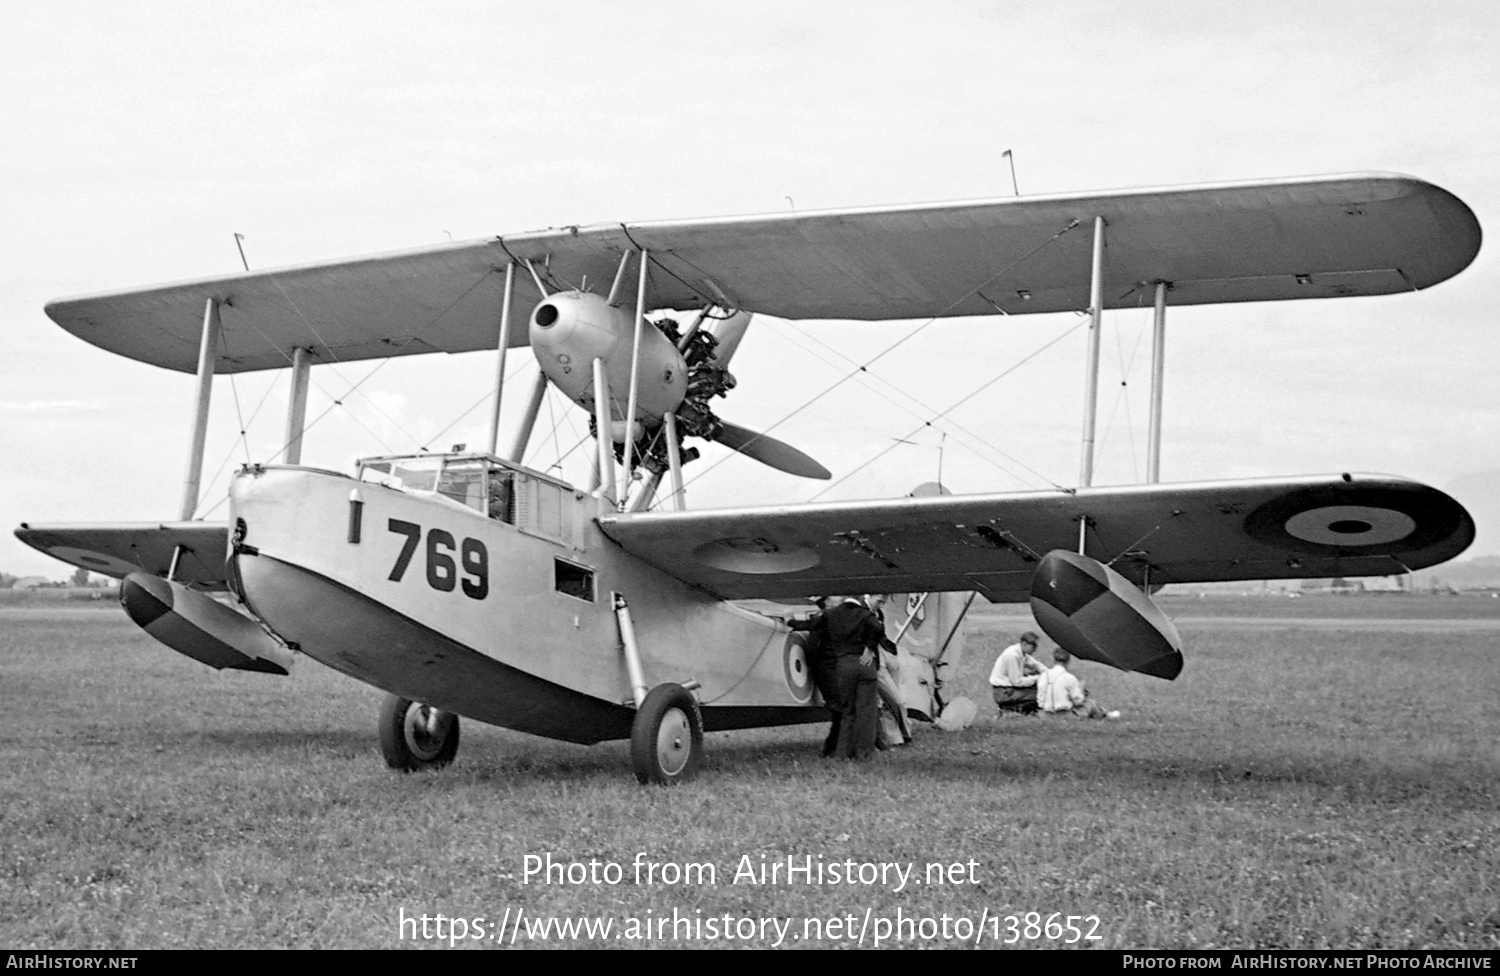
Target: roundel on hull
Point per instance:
(1351, 519)
(794, 663)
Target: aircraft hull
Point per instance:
(440, 603)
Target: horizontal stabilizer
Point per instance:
(770, 451)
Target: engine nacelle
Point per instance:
(201, 627)
(571, 329)
(1094, 613)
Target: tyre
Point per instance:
(666, 741)
(416, 736)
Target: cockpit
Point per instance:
(483, 483)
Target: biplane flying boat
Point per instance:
(466, 584)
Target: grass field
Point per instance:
(1324, 773)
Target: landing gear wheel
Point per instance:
(416, 736)
(666, 741)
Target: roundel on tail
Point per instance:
(1353, 519)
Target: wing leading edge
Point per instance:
(1309, 237)
(1296, 528)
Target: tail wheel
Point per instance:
(416, 736)
(666, 741)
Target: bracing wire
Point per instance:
(924, 410)
(1122, 399)
(960, 402)
(865, 366)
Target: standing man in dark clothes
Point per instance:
(853, 636)
(823, 668)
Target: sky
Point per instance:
(142, 137)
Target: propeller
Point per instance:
(680, 374)
(770, 451)
(727, 333)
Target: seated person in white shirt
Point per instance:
(1058, 692)
(1013, 679)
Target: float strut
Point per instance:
(632, 650)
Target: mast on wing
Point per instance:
(570, 330)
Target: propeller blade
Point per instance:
(768, 450)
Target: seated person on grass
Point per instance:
(1058, 692)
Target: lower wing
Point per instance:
(1285, 528)
(118, 549)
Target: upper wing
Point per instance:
(1315, 237)
(1230, 530)
(132, 547)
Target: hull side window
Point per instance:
(573, 580)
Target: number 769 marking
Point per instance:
(442, 571)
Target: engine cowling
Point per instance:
(571, 329)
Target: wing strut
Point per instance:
(674, 458)
(528, 419)
(510, 288)
(1158, 370)
(635, 371)
(207, 347)
(296, 408)
(1091, 377)
(603, 443)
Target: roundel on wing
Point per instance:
(97, 562)
(794, 663)
(1352, 519)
